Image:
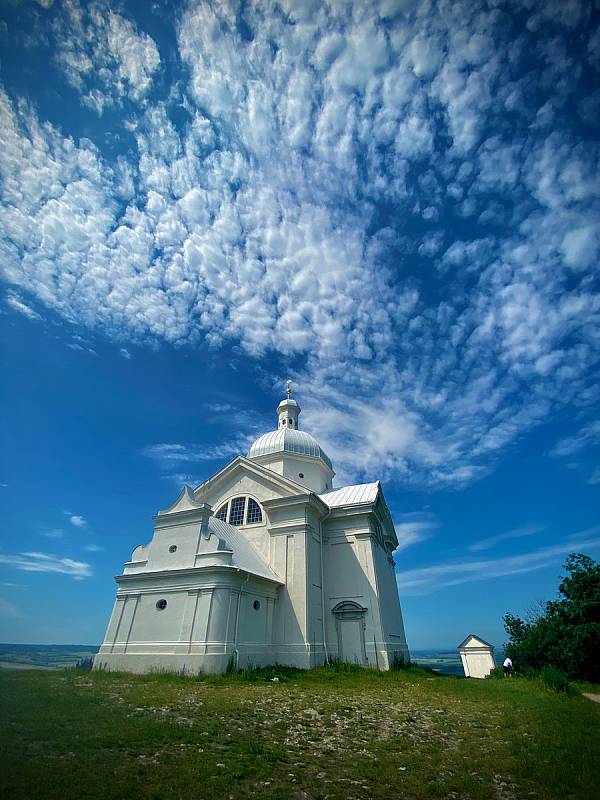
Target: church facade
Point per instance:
(263, 563)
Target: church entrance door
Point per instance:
(350, 625)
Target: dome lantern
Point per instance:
(288, 410)
(291, 452)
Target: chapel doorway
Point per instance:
(350, 626)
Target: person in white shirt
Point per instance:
(507, 667)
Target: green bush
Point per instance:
(566, 633)
(555, 679)
(497, 672)
(344, 666)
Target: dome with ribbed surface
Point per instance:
(288, 440)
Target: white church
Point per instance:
(263, 563)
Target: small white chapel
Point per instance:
(264, 563)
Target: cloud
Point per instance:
(581, 246)
(175, 460)
(594, 478)
(221, 408)
(18, 305)
(55, 533)
(93, 548)
(180, 453)
(80, 344)
(44, 562)
(399, 202)
(587, 436)
(414, 528)
(426, 580)
(125, 353)
(184, 478)
(103, 56)
(516, 533)
(78, 521)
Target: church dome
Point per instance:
(288, 440)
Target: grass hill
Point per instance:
(329, 733)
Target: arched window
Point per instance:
(254, 513)
(240, 511)
(236, 513)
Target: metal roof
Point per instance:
(288, 440)
(477, 639)
(244, 555)
(351, 495)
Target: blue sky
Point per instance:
(396, 204)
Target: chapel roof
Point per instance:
(288, 440)
(477, 641)
(244, 556)
(351, 495)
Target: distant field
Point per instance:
(43, 656)
(337, 733)
(445, 661)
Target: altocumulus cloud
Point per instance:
(299, 188)
(103, 56)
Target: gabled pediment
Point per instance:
(239, 468)
(474, 642)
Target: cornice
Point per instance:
(176, 573)
(208, 586)
(166, 519)
(304, 499)
(289, 528)
(279, 455)
(354, 510)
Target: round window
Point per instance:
(161, 604)
(256, 605)
(173, 548)
(300, 474)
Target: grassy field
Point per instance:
(322, 734)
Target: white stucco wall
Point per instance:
(197, 629)
(477, 657)
(305, 471)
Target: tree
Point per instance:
(566, 633)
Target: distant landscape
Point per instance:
(43, 656)
(445, 661)
(58, 656)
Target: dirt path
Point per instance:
(594, 697)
